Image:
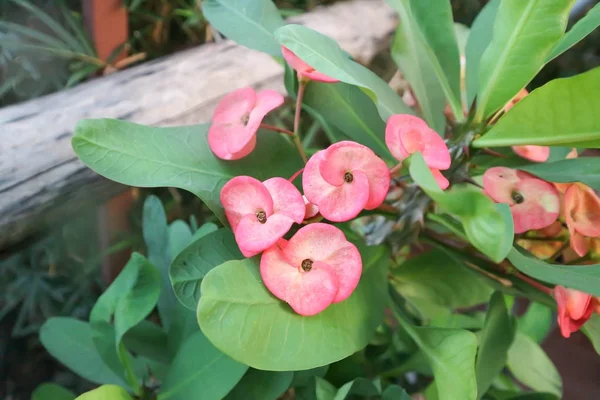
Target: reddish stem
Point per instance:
(296, 174)
(276, 129)
(493, 153)
(296, 136)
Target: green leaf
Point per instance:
(303, 377)
(524, 34)
(585, 170)
(411, 58)
(145, 156)
(164, 242)
(106, 392)
(428, 27)
(250, 23)
(350, 110)
(479, 39)
(130, 298)
(199, 367)
(358, 387)
(326, 56)
(204, 230)
(496, 338)
(394, 392)
(486, 224)
(451, 355)
(51, 391)
(261, 385)
(70, 342)
(193, 263)
(437, 278)
(241, 317)
(324, 390)
(592, 331)
(580, 30)
(531, 366)
(149, 340)
(571, 103)
(585, 278)
(536, 322)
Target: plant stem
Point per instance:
(395, 169)
(296, 174)
(276, 129)
(493, 153)
(296, 135)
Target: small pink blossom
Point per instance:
(317, 267)
(304, 70)
(582, 214)
(533, 153)
(260, 213)
(574, 309)
(406, 134)
(344, 179)
(534, 203)
(236, 120)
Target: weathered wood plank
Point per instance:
(42, 181)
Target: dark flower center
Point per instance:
(245, 119)
(517, 197)
(348, 177)
(307, 265)
(261, 216)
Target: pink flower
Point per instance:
(260, 213)
(582, 214)
(344, 179)
(574, 309)
(534, 203)
(317, 267)
(236, 120)
(311, 209)
(406, 134)
(533, 153)
(304, 70)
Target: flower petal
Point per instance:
(440, 179)
(287, 200)
(533, 153)
(303, 69)
(308, 293)
(326, 243)
(231, 142)
(311, 209)
(540, 206)
(406, 134)
(266, 101)
(582, 210)
(253, 236)
(235, 106)
(244, 195)
(499, 184)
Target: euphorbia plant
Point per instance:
(373, 263)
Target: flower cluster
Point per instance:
(549, 214)
(317, 266)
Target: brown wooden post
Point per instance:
(107, 24)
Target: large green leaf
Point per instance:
(414, 64)
(426, 34)
(70, 342)
(200, 368)
(261, 385)
(149, 340)
(250, 23)
(584, 169)
(326, 56)
(451, 356)
(437, 278)
(524, 34)
(581, 29)
(106, 392)
(495, 340)
(560, 113)
(585, 278)
(145, 156)
(51, 391)
(529, 364)
(486, 224)
(479, 39)
(194, 262)
(241, 317)
(350, 110)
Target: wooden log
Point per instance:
(41, 180)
